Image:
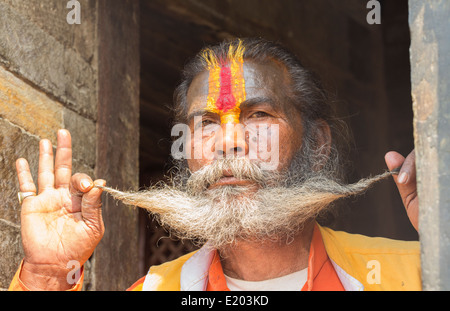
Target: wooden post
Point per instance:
(430, 62)
(115, 264)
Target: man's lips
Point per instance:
(231, 180)
(228, 179)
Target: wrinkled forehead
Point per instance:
(264, 80)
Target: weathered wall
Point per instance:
(430, 61)
(49, 79)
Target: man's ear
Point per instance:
(323, 134)
(323, 141)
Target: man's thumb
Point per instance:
(91, 206)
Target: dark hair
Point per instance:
(308, 96)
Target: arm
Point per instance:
(17, 284)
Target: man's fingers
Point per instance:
(26, 183)
(407, 173)
(87, 199)
(406, 178)
(46, 177)
(90, 207)
(406, 183)
(92, 199)
(80, 184)
(394, 160)
(63, 160)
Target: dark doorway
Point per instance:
(366, 66)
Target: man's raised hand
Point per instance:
(63, 222)
(406, 183)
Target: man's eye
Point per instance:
(259, 114)
(206, 122)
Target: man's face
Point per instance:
(231, 200)
(267, 103)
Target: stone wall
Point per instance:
(49, 79)
(430, 60)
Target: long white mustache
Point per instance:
(227, 214)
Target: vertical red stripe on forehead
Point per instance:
(226, 84)
(226, 100)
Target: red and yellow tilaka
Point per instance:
(226, 90)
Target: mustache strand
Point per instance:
(227, 214)
(323, 189)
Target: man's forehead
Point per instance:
(267, 80)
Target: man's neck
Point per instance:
(258, 261)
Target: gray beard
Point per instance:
(276, 210)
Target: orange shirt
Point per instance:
(137, 286)
(17, 285)
(321, 274)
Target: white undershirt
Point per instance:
(291, 282)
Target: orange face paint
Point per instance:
(226, 90)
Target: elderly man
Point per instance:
(257, 223)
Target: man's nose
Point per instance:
(231, 141)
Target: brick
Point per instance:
(15, 143)
(83, 132)
(48, 81)
(50, 16)
(12, 252)
(38, 57)
(29, 108)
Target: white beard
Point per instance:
(225, 215)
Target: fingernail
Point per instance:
(85, 184)
(402, 178)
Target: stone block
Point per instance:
(38, 57)
(50, 16)
(83, 132)
(11, 250)
(32, 110)
(14, 143)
